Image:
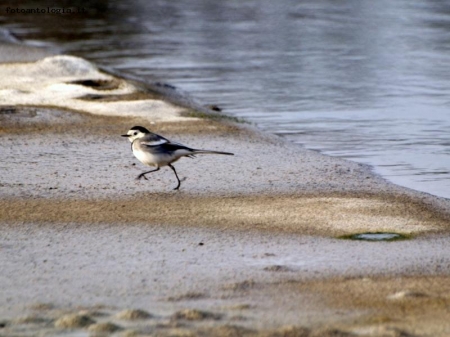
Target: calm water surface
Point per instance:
(364, 80)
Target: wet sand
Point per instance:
(248, 247)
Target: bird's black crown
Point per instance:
(140, 129)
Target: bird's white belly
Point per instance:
(146, 158)
(151, 159)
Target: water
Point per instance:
(364, 80)
(376, 237)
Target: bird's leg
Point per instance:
(142, 175)
(176, 175)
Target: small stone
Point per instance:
(214, 107)
(92, 313)
(74, 321)
(277, 268)
(104, 327)
(195, 315)
(406, 294)
(133, 314)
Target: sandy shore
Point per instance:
(250, 245)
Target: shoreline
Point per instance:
(77, 223)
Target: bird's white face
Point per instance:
(134, 134)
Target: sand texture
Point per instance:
(251, 245)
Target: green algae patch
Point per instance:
(377, 236)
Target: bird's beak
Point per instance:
(124, 135)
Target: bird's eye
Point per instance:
(134, 134)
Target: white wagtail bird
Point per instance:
(154, 150)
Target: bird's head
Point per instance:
(136, 132)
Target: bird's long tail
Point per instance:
(212, 152)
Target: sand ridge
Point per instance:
(321, 215)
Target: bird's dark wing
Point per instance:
(152, 139)
(159, 144)
(173, 147)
